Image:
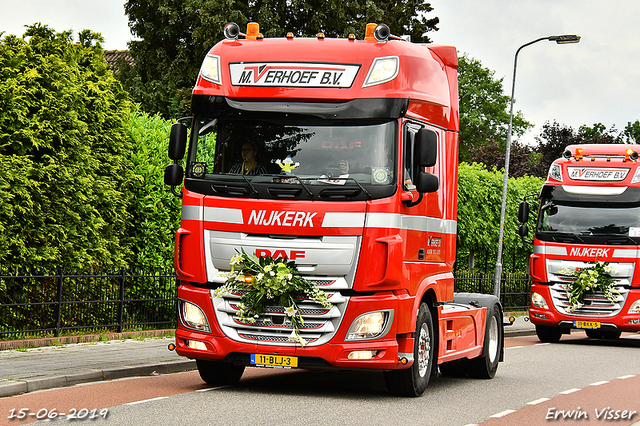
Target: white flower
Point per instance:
(235, 259)
(289, 276)
(290, 311)
(260, 276)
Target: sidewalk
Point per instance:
(49, 367)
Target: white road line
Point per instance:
(599, 383)
(502, 414)
(627, 377)
(210, 389)
(538, 401)
(567, 392)
(147, 400)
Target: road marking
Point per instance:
(627, 377)
(538, 401)
(599, 383)
(515, 347)
(567, 392)
(502, 414)
(210, 389)
(147, 400)
(542, 344)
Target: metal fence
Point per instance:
(54, 302)
(514, 291)
(45, 302)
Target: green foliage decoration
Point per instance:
(64, 153)
(596, 277)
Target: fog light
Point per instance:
(540, 316)
(362, 354)
(538, 301)
(370, 326)
(196, 345)
(634, 321)
(193, 317)
(635, 307)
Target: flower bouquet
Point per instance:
(265, 281)
(589, 280)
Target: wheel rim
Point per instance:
(493, 339)
(424, 350)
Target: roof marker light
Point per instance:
(289, 36)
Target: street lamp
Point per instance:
(561, 39)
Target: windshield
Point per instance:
(590, 222)
(255, 153)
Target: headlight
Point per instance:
(210, 69)
(193, 317)
(636, 177)
(370, 326)
(382, 70)
(538, 301)
(635, 307)
(555, 172)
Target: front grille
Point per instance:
(274, 328)
(595, 304)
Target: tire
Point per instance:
(413, 381)
(603, 334)
(486, 365)
(219, 373)
(548, 334)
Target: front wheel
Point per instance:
(548, 334)
(603, 334)
(219, 373)
(414, 380)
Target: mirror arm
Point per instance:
(176, 193)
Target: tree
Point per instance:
(63, 152)
(484, 109)
(632, 132)
(523, 160)
(175, 35)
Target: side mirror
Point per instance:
(177, 141)
(426, 148)
(173, 174)
(523, 212)
(523, 231)
(427, 183)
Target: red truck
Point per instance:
(340, 155)
(589, 213)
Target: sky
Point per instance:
(594, 81)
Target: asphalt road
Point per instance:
(576, 374)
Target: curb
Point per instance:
(84, 338)
(17, 387)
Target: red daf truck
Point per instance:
(356, 145)
(589, 212)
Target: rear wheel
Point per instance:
(414, 380)
(548, 334)
(486, 365)
(603, 334)
(219, 373)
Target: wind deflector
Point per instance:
(383, 108)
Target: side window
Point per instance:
(407, 158)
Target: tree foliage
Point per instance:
(173, 36)
(63, 152)
(479, 205)
(484, 109)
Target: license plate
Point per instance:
(586, 324)
(274, 361)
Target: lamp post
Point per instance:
(561, 39)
